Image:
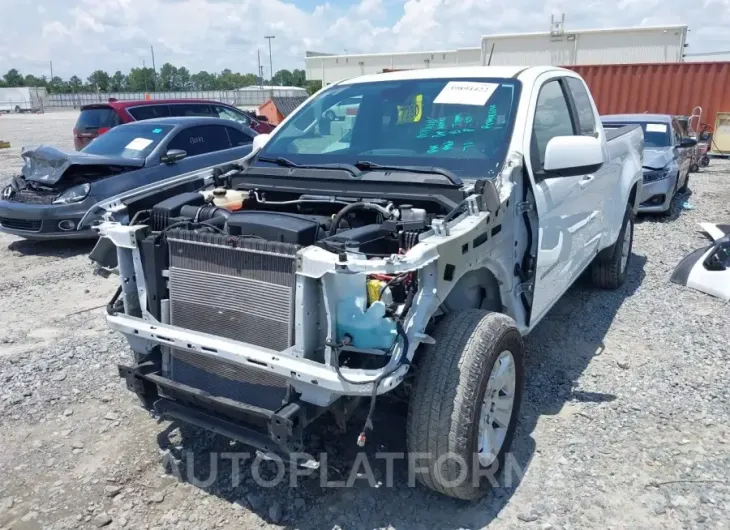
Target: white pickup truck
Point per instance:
(407, 250)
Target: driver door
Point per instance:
(568, 207)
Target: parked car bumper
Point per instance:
(656, 197)
(45, 221)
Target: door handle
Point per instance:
(585, 181)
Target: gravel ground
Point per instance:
(626, 422)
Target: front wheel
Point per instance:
(465, 403)
(608, 270)
(17, 109)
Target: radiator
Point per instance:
(241, 289)
(238, 288)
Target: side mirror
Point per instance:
(259, 141)
(687, 142)
(172, 156)
(570, 156)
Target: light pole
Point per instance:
(271, 64)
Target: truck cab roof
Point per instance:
(524, 73)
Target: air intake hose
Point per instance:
(203, 213)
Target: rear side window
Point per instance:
(191, 109)
(148, 112)
(583, 105)
(201, 140)
(238, 138)
(97, 118)
(552, 118)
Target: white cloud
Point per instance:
(80, 36)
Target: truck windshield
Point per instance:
(463, 125)
(655, 134)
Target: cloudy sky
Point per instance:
(80, 36)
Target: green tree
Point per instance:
(203, 81)
(299, 78)
(313, 86)
(75, 83)
(227, 80)
(283, 78)
(118, 82)
(13, 78)
(33, 81)
(168, 78)
(99, 80)
(140, 80)
(58, 86)
(183, 78)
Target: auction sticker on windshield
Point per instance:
(138, 144)
(466, 93)
(656, 127)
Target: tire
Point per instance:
(705, 161)
(18, 110)
(685, 188)
(445, 408)
(608, 270)
(330, 116)
(694, 168)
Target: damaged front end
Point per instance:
(251, 314)
(53, 192)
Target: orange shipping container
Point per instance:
(664, 88)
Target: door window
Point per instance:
(200, 140)
(238, 138)
(586, 117)
(552, 118)
(230, 114)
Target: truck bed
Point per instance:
(614, 132)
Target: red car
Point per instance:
(97, 118)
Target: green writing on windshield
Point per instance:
(491, 117)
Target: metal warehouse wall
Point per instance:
(331, 68)
(664, 44)
(662, 88)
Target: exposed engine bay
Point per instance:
(271, 293)
(239, 224)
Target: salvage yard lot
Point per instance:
(626, 421)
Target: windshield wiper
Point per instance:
(366, 165)
(281, 161)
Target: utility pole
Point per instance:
(271, 64)
(154, 70)
(51, 63)
(144, 74)
(259, 71)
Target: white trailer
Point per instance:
(23, 99)
(560, 47)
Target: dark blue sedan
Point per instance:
(56, 188)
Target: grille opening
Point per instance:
(254, 361)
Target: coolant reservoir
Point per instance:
(367, 326)
(230, 200)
